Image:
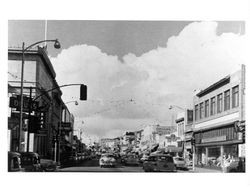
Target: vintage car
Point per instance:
(14, 161)
(107, 160)
(180, 163)
(159, 162)
(30, 161)
(143, 158)
(132, 160)
(48, 165)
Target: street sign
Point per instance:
(15, 102)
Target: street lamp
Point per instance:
(172, 106)
(57, 46)
(76, 103)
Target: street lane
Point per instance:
(93, 166)
(99, 169)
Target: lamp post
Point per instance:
(57, 46)
(76, 103)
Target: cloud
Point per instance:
(122, 93)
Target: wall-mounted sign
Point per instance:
(15, 102)
(214, 139)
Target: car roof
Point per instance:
(107, 154)
(29, 153)
(156, 155)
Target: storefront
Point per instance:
(212, 145)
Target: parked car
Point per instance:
(14, 161)
(143, 158)
(48, 165)
(159, 162)
(132, 160)
(180, 163)
(30, 161)
(107, 160)
(123, 158)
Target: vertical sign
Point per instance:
(31, 142)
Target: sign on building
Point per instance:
(15, 102)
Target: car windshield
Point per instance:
(108, 156)
(179, 159)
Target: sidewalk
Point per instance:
(205, 170)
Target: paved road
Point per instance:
(93, 166)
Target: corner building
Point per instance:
(39, 76)
(219, 113)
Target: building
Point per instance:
(46, 114)
(184, 122)
(154, 135)
(219, 120)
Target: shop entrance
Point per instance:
(214, 156)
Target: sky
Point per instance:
(135, 70)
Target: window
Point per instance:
(196, 112)
(206, 108)
(227, 100)
(201, 110)
(212, 109)
(235, 97)
(219, 103)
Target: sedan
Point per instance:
(180, 163)
(107, 160)
(48, 165)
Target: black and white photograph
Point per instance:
(126, 96)
(163, 97)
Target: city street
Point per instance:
(93, 166)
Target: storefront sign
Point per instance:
(213, 139)
(242, 152)
(15, 102)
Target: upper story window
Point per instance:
(206, 108)
(227, 100)
(201, 110)
(196, 111)
(235, 96)
(219, 103)
(212, 109)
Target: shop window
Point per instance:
(227, 100)
(231, 151)
(214, 156)
(235, 96)
(219, 103)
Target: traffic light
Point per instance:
(83, 92)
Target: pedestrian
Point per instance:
(225, 163)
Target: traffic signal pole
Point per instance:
(29, 119)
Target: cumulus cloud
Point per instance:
(122, 94)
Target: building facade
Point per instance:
(219, 116)
(154, 135)
(46, 116)
(184, 124)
